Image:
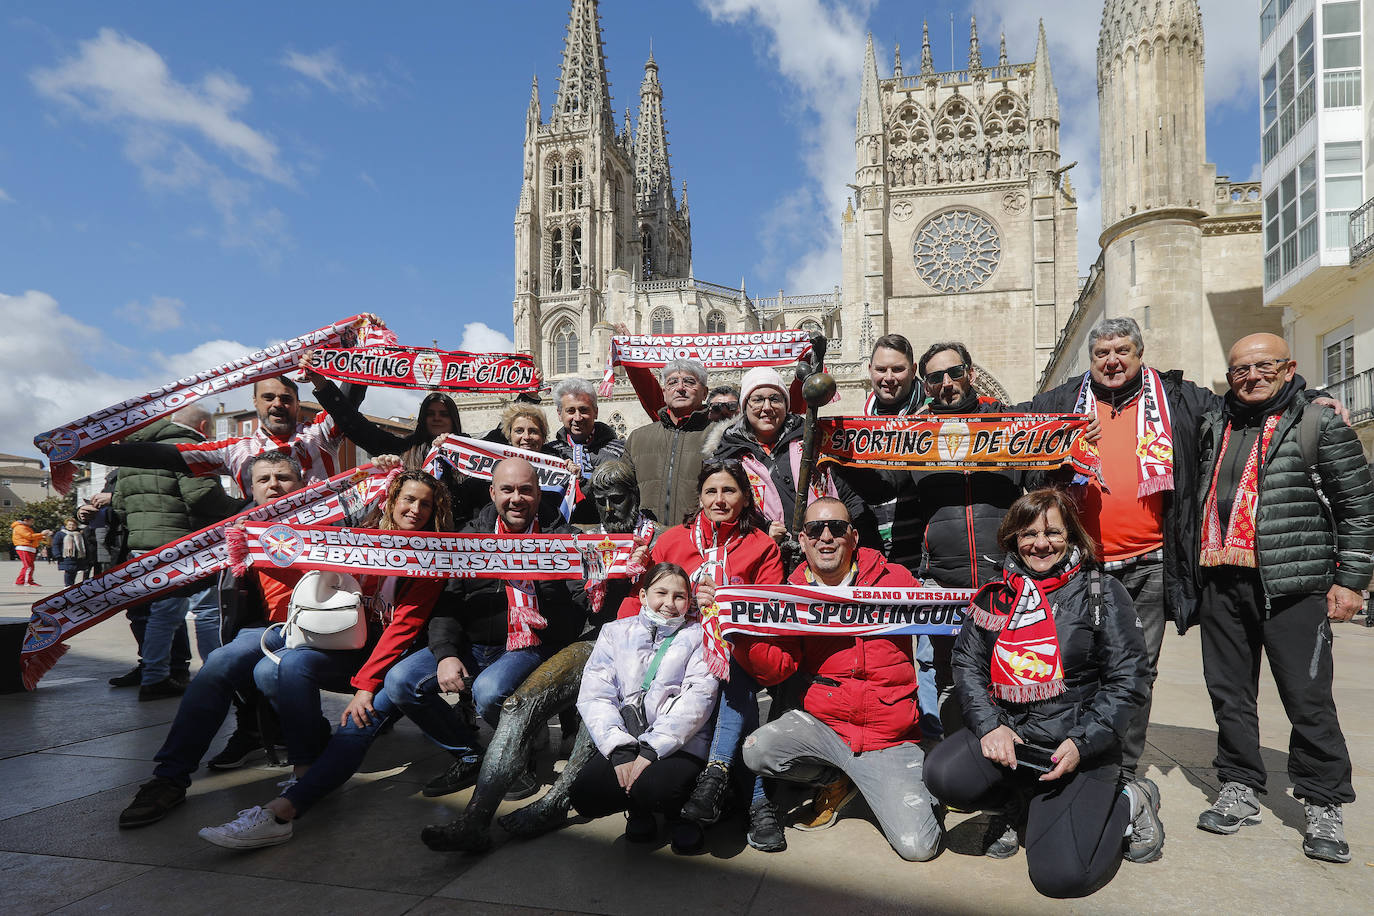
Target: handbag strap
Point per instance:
(658, 658)
(262, 641)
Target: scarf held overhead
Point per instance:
(172, 566)
(74, 439)
(478, 458)
(1236, 545)
(1154, 431)
(1027, 665)
(427, 369)
(967, 442)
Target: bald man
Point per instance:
(1287, 528)
(468, 636)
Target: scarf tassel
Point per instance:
(236, 539)
(713, 642)
(1153, 485)
(33, 666)
(1029, 693)
(523, 622)
(990, 621)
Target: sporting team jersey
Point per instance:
(315, 445)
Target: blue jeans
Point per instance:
(927, 692)
(205, 609)
(165, 617)
(737, 715)
(501, 673)
(229, 669)
(412, 689)
(294, 688)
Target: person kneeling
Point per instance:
(646, 699)
(859, 714)
(1050, 730)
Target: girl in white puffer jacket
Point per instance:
(652, 742)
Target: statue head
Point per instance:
(616, 495)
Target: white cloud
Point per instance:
(482, 338)
(325, 68)
(160, 313)
(5, 197)
(367, 180)
(818, 48)
(173, 132)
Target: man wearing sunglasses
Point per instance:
(723, 403)
(856, 732)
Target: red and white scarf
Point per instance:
(427, 369)
(523, 618)
(1154, 432)
(713, 543)
(1236, 545)
(1027, 665)
(766, 495)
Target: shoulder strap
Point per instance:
(1095, 599)
(658, 659)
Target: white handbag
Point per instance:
(326, 613)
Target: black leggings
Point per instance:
(664, 786)
(1074, 827)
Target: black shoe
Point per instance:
(162, 690)
(686, 838)
(765, 833)
(641, 827)
(238, 750)
(460, 774)
(704, 806)
(523, 786)
(1000, 841)
(155, 798)
(131, 678)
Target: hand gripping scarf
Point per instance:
(1154, 432)
(523, 618)
(1026, 661)
(713, 543)
(1236, 545)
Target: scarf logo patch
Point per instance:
(282, 544)
(44, 630)
(428, 369)
(60, 444)
(952, 443)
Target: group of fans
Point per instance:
(1250, 514)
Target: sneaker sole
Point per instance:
(766, 847)
(228, 842)
(834, 816)
(1156, 852)
(1316, 856)
(128, 824)
(1228, 829)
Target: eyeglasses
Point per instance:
(1030, 536)
(1267, 368)
(761, 400)
(682, 381)
(725, 408)
(954, 372)
(838, 527)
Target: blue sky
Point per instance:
(179, 182)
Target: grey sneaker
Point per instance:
(1324, 838)
(1235, 808)
(1000, 840)
(1147, 831)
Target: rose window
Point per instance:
(957, 251)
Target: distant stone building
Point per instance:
(22, 480)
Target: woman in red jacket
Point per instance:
(398, 609)
(726, 543)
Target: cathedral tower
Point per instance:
(590, 199)
(1156, 186)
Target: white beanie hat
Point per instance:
(761, 377)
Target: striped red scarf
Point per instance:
(523, 616)
(1236, 545)
(1027, 665)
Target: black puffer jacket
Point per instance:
(946, 521)
(603, 446)
(1187, 403)
(1306, 540)
(476, 610)
(1104, 673)
(735, 440)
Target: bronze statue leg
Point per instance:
(550, 810)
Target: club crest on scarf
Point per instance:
(1027, 665)
(282, 544)
(428, 369)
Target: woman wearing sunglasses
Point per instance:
(767, 440)
(725, 543)
(1050, 669)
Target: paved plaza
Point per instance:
(73, 752)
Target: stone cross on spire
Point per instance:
(584, 93)
(975, 56)
(652, 170)
(927, 62)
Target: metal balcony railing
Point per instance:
(1362, 230)
(1357, 394)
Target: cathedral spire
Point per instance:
(870, 119)
(652, 170)
(627, 133)
(927, 62)
(682, 207)
(533, 113)
(897, 60)
(1044, 98)
(975, 55)
(583, 89)
(1002, 50)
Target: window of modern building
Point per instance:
(1338, 353)
(565, 349)
(1288, 91)
(1268, 18)
(1341, 54)
(1290, 224)
(715, 322)
(661, 322)
(1344, 190)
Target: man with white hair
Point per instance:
(582, 439)
(666, 455)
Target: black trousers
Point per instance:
(1144, 581)
(1075, 826)
(664, 787)
(1295, 634)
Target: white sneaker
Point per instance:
(253, 828)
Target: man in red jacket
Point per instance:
(859, 714)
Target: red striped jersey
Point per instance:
(315, 445)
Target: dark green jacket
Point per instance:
(160, 506)
(1306, 538)
(667, 459)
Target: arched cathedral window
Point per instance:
(575, 258)
(564, 349)
(715, 322)
(661, 322)
(555, 184)
(811, 327)
(646, 241)
(556, 261)
(575, 186)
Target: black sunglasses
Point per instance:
(838, 527)
(725, 407)
(954, 372)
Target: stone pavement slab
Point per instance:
(73, 752)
